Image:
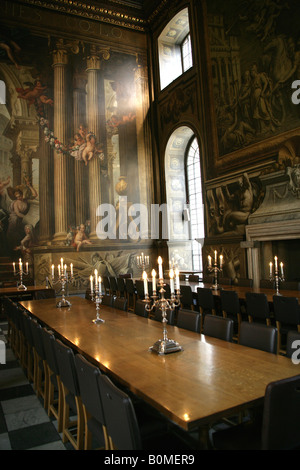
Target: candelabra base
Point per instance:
(63, 303)
(165, 346)
(22, 287)
(98, 321)
(216, 287)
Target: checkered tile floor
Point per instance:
(24, 423)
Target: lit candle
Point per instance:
(58, 267)
(14, 266)
(62, 264)
(271, 268)
(99, 284)
(91, 281)
(276, 263)
(52, 271)
(281, 269)
(209, 261)
(20, 264)
(177, 278)
(96, 278)
(65, 270)
(172, 281)
(221, 261)
(145, 283)
(160, 269)
(71, 266)
(153, 280)
(215, 256)
(26, 267)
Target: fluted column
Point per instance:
(143, 132)
(45, 190)
(80, 170)
(60, 61)
(93, 121)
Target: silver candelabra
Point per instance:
(63, 279)
(213, 267)
(21, 273)
(165, 345)
(276, 276)
(142, 261)
(96, 295)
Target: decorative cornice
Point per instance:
(97, 13)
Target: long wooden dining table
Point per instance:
(208, 380)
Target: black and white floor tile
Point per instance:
(24, 423)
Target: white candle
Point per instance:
(281, 269)
(153, 280)
(71, 266)
(160, 269)
(58, 267)
(276, 263)
(96, 278)
(91, 281)
(52, 271)
(221, 261)
(62, 264)
(20, 264)
(99, 285)
(65, 270)
(271, 268)
(215, 256)
(177, 278)
(26, 267)
(172, 281)
(14, 266)
(145, 283)
(209, 261)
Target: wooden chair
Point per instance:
(205, 303)
(121, 287)
(131, 295)
(287, 316)
(189, 320)
(120, 303)
(257, 307)
(186, 299)
(230, 305)
(140, 309)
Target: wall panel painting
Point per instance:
(67, 136)
(255, 58)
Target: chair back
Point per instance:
(205, 299)
(120, 303)
(280, 427)
(45, 294)
(37, 339)
(293, 344)
(66, 363)
(108, 300)
(193, 278)
(218, 327)
(139, 289)
(129, 285)
(245, 282)
(106, 284)
(189, 320)
(290, 285)
(157, 316)
(120, 418)
(48, 342)
(286, 310)
(121, 286)
(186, 298)
(230, 302)
(226, 281)
(140, 309)
(266, 283)
(257, 306)
(259, 336)
(87, 375)
(113, 285)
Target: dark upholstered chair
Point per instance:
(259, 336)
(71, 395)
(108, 300)
(218, 327)
(290, 285)
(189, 320)
(45, 294)
(244, 282)
(157, 316)
(140, 309)
(293, 344)
(287, 316)
(95, 427)
(121, 287)
(131, 295)
(230, 305)
(113, 285)
(266, 284)
(257, 307)
(205, 303)
(186, 299)
(120, 303)
(279, 428)
(225, 281)
(106, 284)
(194, 278)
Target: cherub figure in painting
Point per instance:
(81, 238)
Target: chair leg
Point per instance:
(78, 440)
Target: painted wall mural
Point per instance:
(255, 57)
(68, 139)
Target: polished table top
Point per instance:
(209, 379)
(14, 290)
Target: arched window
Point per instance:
(194, 197)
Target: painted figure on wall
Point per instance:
(255, 58)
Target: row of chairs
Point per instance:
(91, 410)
